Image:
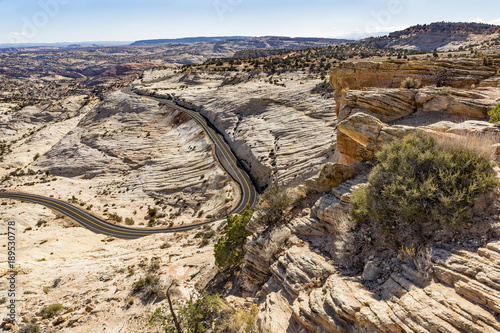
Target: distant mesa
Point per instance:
(190, 40)
(185, 40)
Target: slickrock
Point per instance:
(280, 130)
(328, 208)
(158, 153)
(361, 135)
(330, 176)
(386, 104)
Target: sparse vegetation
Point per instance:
(29, 328)
(488, 61)
(411, 83)
(149, 280)
(230, 249)
(274, 206)
(115, 217)
(51, 310)
(129, 221)
(416, 182)
(494, 114)
(165, 245)
(206, 313)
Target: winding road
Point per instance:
(224, 155)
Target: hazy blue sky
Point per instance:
(37, 21)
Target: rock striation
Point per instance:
(304, 288)
(457, 73)
(275, 124)
(156, 151)
(372, 109)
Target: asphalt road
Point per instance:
(224, 155)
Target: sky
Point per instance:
(50, 21)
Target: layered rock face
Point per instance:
(136, 148)
(297, 272)
(458, 73)
(372, 111)
(451, 290)
(278, 127)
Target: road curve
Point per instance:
(224, 155)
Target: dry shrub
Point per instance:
(242, 320)
(418, 182)
(411, 83)
(480, 143)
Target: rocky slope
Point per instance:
(131, 154)
(276, 124)
(93, 276)
(442, 36)
(304, 275)
(447, 288)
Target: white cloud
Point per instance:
(497, 21)
(17, 33)
(476, 20)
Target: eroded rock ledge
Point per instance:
(294, 270)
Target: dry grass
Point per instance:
(242, 320)
(480, 143)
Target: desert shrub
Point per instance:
(29, 328)
(230, 249)
(147, 287)
(488, 61)
(115, 217)
(152, 212)
(165, 245)
(274, 206)
(51, 310)
(411, 83)
(206, 313)
(129, 221)
(416, 181)
(494, 114)
(243, 320)
(154, 265)
(149, 280)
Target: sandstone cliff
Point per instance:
(369, 100)
(303, 288)
(302, 274)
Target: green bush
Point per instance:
(488, 61)
(274, 206)
(230, 249)
(198, 315)
(494, 114)
(51, 310)
(152, 212)
(129, 221)
(416, 182)
(115, 217)
(149, 280)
